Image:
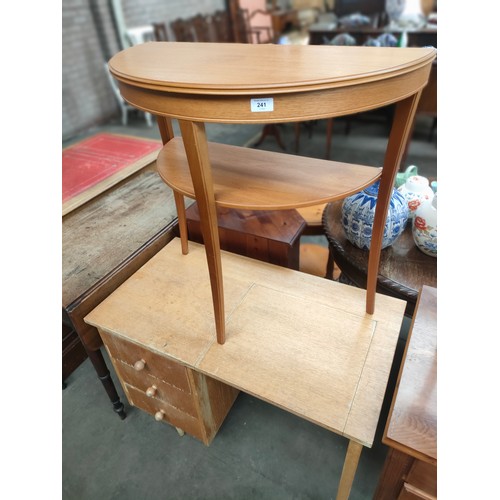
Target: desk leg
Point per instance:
(97, 360)
(349, 470)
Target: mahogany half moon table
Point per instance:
(403, 270)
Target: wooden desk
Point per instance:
(410, 470)
(103, 243)
(403, 267)
(300, 342)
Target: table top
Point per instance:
(403, 267)
(412, 422)
(220, 68)
(300, 342)
(100, 235)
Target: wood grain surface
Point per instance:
(297, 341)
(412, 422)
(101, 234)
(253, 179)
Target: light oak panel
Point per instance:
(298, 341)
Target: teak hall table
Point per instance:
(316, 348)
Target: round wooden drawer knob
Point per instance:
(151, 391)
(139, 365)
(159, 415)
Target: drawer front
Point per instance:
(410, 492)
(154, 364)
(172, 415)
(423, 477)
(162, 390)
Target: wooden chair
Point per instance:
(222, 27)
(160, 32)
(202, 28)
(252, 22)
(183, 30)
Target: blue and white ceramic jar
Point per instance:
(358, 213)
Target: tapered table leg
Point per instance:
(195, 143)
(349, 471)
(167, 133)
(401, 128)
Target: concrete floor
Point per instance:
(261, 452)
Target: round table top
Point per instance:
(403, 270)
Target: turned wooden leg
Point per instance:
(401, 128)
(349, 470)
(195, 143)
(97, 359)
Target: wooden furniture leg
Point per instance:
(349, 470)
(329, 131)
(167, 133)
(401, 128)
(271, 129)
(195, 143)
(181, 216)
(97, 360)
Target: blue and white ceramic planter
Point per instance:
(358, 212)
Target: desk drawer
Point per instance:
(170, 394)
(155, 365)
(422, 477)
(172, 415)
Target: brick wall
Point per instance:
(87, 99)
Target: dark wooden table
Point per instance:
(410, 469)
(103, 243)
(404, 269)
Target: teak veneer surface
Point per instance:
(252, 179)
(294, 340)
(232, 68)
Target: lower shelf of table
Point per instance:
(253, 179)
(300, 342)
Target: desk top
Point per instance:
(412, 422)
(300, 342)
